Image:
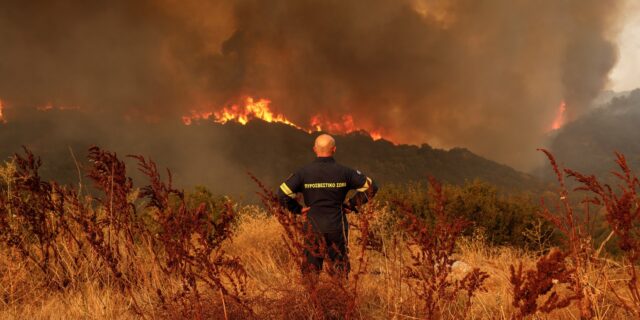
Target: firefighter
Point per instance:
(324, 185)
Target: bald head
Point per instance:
(325, 146)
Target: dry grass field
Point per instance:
(150, 253)
(275, 280)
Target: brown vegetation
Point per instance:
(156, 252)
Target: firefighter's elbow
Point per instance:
(374, 188)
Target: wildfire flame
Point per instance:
(347, 125)
(260, 109)
(561, 116)
(45, 108)
(2, 119)
(49, 106)
(251, 110)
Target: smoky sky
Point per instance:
(486, 75)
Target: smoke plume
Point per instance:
(487, 75)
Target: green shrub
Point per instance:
(505, 219)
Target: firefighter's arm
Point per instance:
(365, 188)
(287, 193)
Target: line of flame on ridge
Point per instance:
(259, 109)
(48, 107)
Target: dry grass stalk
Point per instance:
(530, 285)
(623, 215)
(578, 242)
(432, 248)
(187, 243)
(70, 239)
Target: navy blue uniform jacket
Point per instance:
(324, 185)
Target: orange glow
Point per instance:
(347, 125)
(2, 119)
(561, 116)
(260, 109)
(49, 106)
(251, 110)
(375, 135)
(188, 120)
(45, 108)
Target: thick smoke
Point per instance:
(487, 75)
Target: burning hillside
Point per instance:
(219, 156)
(260, 109)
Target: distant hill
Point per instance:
(219, 156)
(588, 144)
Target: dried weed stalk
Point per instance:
(71, 238)
(432, 248)
(623, 215)
(530, 285)
(32, 218)
(188, 243)
(578, 242)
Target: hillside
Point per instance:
(588, 143)
(219, 156)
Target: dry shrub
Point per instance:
(72, 239)
(32, 219)
(191, 305)
(296, 304)
(109, 223)
(591, 273)
(432, 247)
(531, 285)
(59, 230)
(187, 244)
(623, 215)
(577, 241)
(151, 253)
